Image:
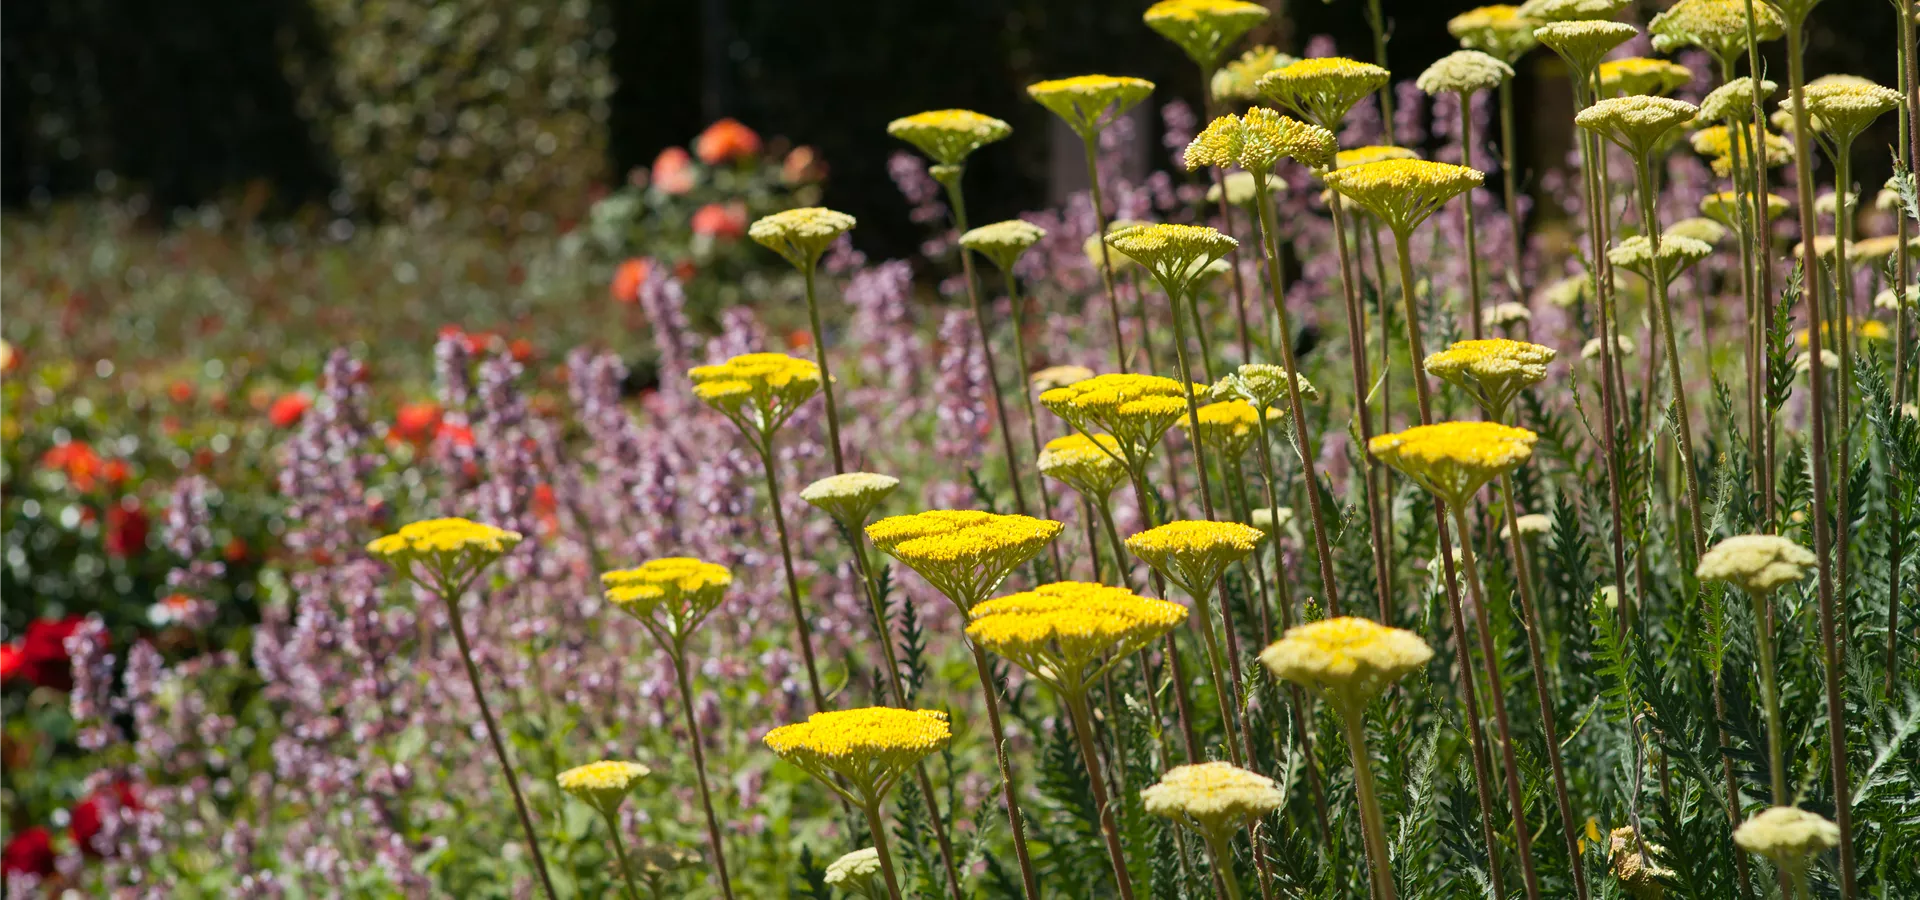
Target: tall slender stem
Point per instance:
(1223, 692)
(877, 826)
(1763, 246)
(1516, 277)
(959, 202)
(1106, 255)
(1009, 789)
(1650, 220)
(1466, 214)
(1903, 275)
(1144, 499)
(800, 625)
(1103, 809)
(826, 374)
(700, 771)
(1373, 826)
(1377, 21)
(620, 852)
(1843, 301)
(1026, 402)
(1379, 524)
(1770, 697)
(1222, 852)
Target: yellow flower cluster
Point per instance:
(1213, 798)
(857, 872)
(1493, 371)
(1788, 836)
(1571, 10)
(949, 136)
(1755, 563)
(450, 549)
(758, 391)
(1733, 100)
(1716, 142)
(1583, 41)
(1830, 330)
(671, 596)
(1348, 660)
(1638, 123)
(1263, 385)
(1177, 255)
(1135, 409)
(1322, 90)
(1464, 72)
(602, 784)
(1846, 107)
(1722, 207)
(1677, 253)
(966, 554)
(1257, 141)
(1372, 153)
(1092, 466)
(1204, 28)
(1403, 192)
(1228, 427)
(800, 235)
(1239, 80)
(850, 496)
(1193, 553)
(1716, 26)
(1642, 75)
(871, 748)
(1454, 459)
(1003, 242)
(1084, 100)
(1068, 633)
(1498, 31)
(1704, 230)
(1871, 250)
(1057, 377)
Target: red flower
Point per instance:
(673, 171)
(127, 528)
(628, 278)
(43, 652)
(288, 409)
(115, 471)
(725, 141)
(180, 391)
(235, 551)
(416, 423)
(29, 853)
(520, 349)
(457, 435)
(89, 815)
(545, 506)
(12, 658)
(685, 270)
(77, 461)
(722, 221)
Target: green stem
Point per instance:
(1106, 256)
(1516, 277)
(878, 827)
(959, 202)
(620, 853)
(1770, 696)
(1379, 525)
(1009, 790)
(1373, 826)
(1222, 851)
(1377, 21)
(700, 771)
(1466, 212)
(1649, 217)
(826, 374)
(1026, 401)
(1104, 810)
(800, 625)
(1229, 710)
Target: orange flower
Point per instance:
(799, 339)
(673, 169)
(628, 278)
(180, 391)
(115, 471)
(721, 221)
(725, 141)
(803, 166)
(685, 270)
(78, 461)
(288, 409)
(520, 349)
(416, 422)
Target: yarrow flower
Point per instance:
(1259, 140)
(1264, 518)
(1504, 315)
(1347, 660)
(1716, 26)
(1788, 836)
(1229, 426)
(1756, 563)
(1582, 42)
(1716, 142)
(1213, 798)
(1239, 80)
(966, 554)
(450, 550)
(1135, 409)
(1636, 124)
(1263, 385)
(1057, 377)
(1177, 255)
(1454, 459)
(1492, 371)
(1193, 554)
(1677, 254)
(669, 596)
(1372, 153)
(1204, 28)
(1402, 193)
(1697, 228)
(858, 873)
(1092, 466)
(1571, 10)
(800, 235)
(850, 496)
(1733, 100)
(1084, 101)
(759, 392)
(1530, 525)
(1003, 242)
(1845, 108)
(1638, 75)
(1622, 346)
(604, 784)
(1723, 207)
(1464, 72)
(1322, 90)
(1498, 31)
(1069, 633)
(949, 136)
(870, 748)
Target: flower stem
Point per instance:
(1008, 789)
(877, 826)
(986, 350)
(1222, 852)
(1770, 696)
(700, 771)
(1020, 384)
(620, 853)
(1379, 520)
(1650, 220)
(826, 374)
(1109, 819)
(1372, 826)
(1466, 214)
(1106, 261)
(1516, 277)
(804, 631)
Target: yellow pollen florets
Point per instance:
(1493, 371)
(1090, 465)
(1193, 554)
(1083, 101)
(1322, 90)
(1262, 384)
(1348, 660)
(602, 784)
(1642, 75)
(1716, 26)
(1642, 878)
(1454, 459)
(1637, 124)
(1068, 633)
(1135, 409)
(1722, 207)
(1239, 80)
(1847, 107)
(1733, 100)
(1177, 255)
(1788, 836)
(450, 549)
(1403, 192)
(949, 136)
(758, 391)
(1464, 72)
(1717, 142)
(670, 596)
(851, 496)
(1697, 228)
(1756, 563)
(858, 872)
(800, 235)
(1204, 28)
(966, 554)
(1499, 31)
(870, 748)
(1003, 242)
(1257, 141)
(1213, 798)
(1372, 153)
(1229, 426)
(1582, 42)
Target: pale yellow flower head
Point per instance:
(1003, 242)
(1531, 525)
(1403, 192)
(1697, 228)
(1505, 315)
(1348, 660)
(1733, 100)
(1241, 188)
(1259, 140)
(1464, 72)
(1372, 153)
(1263, 518)
(1583, 42)
(1722, 207)
(949, 136)
(1069, 633)
(1204, 28)
(1846, 108)
(1263, 385)
(670, 596)
(1788, 836)
(1622, 346)
(604, 784)
(850, 496)
(1057, 376)
(859, 873)
(449, 551)
(1567, 292)
(1322, 90)
(870, 748)
(966, 554)
(1498, 31)
(1716, 26)
(1084, 101)
(1824, 246)
(1677, 254)
(759, 392)
(1642, 878)
(1213, 798)
(1549, 11)
(1454, 459)
(1135, 409)
(801, 235)
(1756, 563)
(1239, 80)
(1492, 371)
(1636, 124)
(1229, 426)
(1092, 466)
(1177, 255)
(1193, 554)
(1716, 142)
(1642, 75)
(1870, 251)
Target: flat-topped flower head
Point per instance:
(1213, 798)
(1323, 90)
(1846, 107)
(1069, 633)
(604, 784)
(1098, 253)
(1636, 75)
(1568, 292)
(858, 873)
(1057, 377)
(870, 748)
(1192, 553)
(1549, 11)
(1640, 876)
(1135, 409)
(1824, 247)
(1228, 427)
(1262, 384)
(758, 391)
(966, 554)
(1347, 660)
(1788, 836)
(1677, 254)
(1372, 153)
(1622, 346)
(1403, 192)
(1003, 242)
(1464, 72)
(801, 235)
(1493, 371)
(1454, 459)
(1733, 100)
(1092, 466)
(1531, 525)
(1699, 228)
(1498, 31)
(1756, 563)
(1716, 143)
(1204, 28)
(1638, 124)
(1584, 42)
(949, 136)
(850, 497)
(448, 551)
(1870, 251)
(1716, 26)
(1239, 80)
(1723, 207)
(1265, 518)
(1177, 255)
(670, 596)
(1087, 102)
(1505, 315)
(1259, 140)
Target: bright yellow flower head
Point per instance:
(1498, 31)
(801, 235)
(1722, 207)
(1637, 123)
(1756, 563)
(949, 136)
(1083, 101)
(449, 550)
(1069, 633)
(966, 554)
(1403, 192)
(1716, 142)
(1204, 28)
(1091, 466)
(1464, 72)
(1788, 836)
(1003, 242)
(1642, 75)
(1193, 554)
(1493, 371)
(870, 748)
(604, 784)
(758, 391)
(1177, 255)
(1733, 100)
(1213, 798)
(1259, 140)
(1263, 385)
(1239, 80)
(1454, 459)
(670, 596)
(1323, 90)
(1716, 26)
(1372, 153)
(1846, 107)
(1583, 42)
(1228, 427)
(1830, 330)
(1135, 409)
(1057, 377)
(1550, 11)
(1347, 660)
(1677, 254)
(850, 496)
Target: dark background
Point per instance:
(187, 99)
